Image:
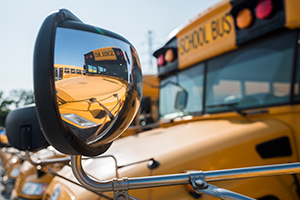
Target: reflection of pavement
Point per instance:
(1, 185)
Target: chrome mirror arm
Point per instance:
(85, 180)
(121, 186)
(196, 179)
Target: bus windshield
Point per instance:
(258, 74)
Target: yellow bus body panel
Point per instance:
(292, 8)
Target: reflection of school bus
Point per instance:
(82, 104)
(67, 71)
(86, 107)
(106, 61)
(234, 73)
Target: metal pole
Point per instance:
(251, 172)
(181, 179)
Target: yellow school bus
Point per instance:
(67, 71)
(106, 61)
(229, 97)
(33, 180)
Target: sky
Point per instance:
(20, 22)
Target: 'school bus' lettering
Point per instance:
(205, 34)
(104, 55)
(206, 37)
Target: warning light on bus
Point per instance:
(160, 60)
(169, 56)
(244, 18)
(264, 9)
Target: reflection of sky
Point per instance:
(71, 45)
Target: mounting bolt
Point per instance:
(121, 197)
(200, 183)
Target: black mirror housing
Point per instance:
(23, 130)
(87, 84)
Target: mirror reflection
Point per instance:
(92, 76)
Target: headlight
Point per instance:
(36, 189)
(79, 120)
(15, 172)
(55, 194)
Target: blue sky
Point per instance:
(20, 22)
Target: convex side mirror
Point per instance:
(87, 83)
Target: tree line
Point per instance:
(15, 99)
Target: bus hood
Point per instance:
(201, 145)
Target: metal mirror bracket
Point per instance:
(120, 187)
(196, 179)
(201, 186)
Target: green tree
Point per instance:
(16, 99)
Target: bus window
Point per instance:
(190, 81)
(258, 74)
(58, 73)
(67, 70)
(92, 69)
(78, 71)
(72, 71)
(101, 70)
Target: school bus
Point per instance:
(33, 180)
(67, 71)
(106, 61)
(229, 97)
(11, 161)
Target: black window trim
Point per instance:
(294, 72)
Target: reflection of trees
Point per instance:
(17, 98)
